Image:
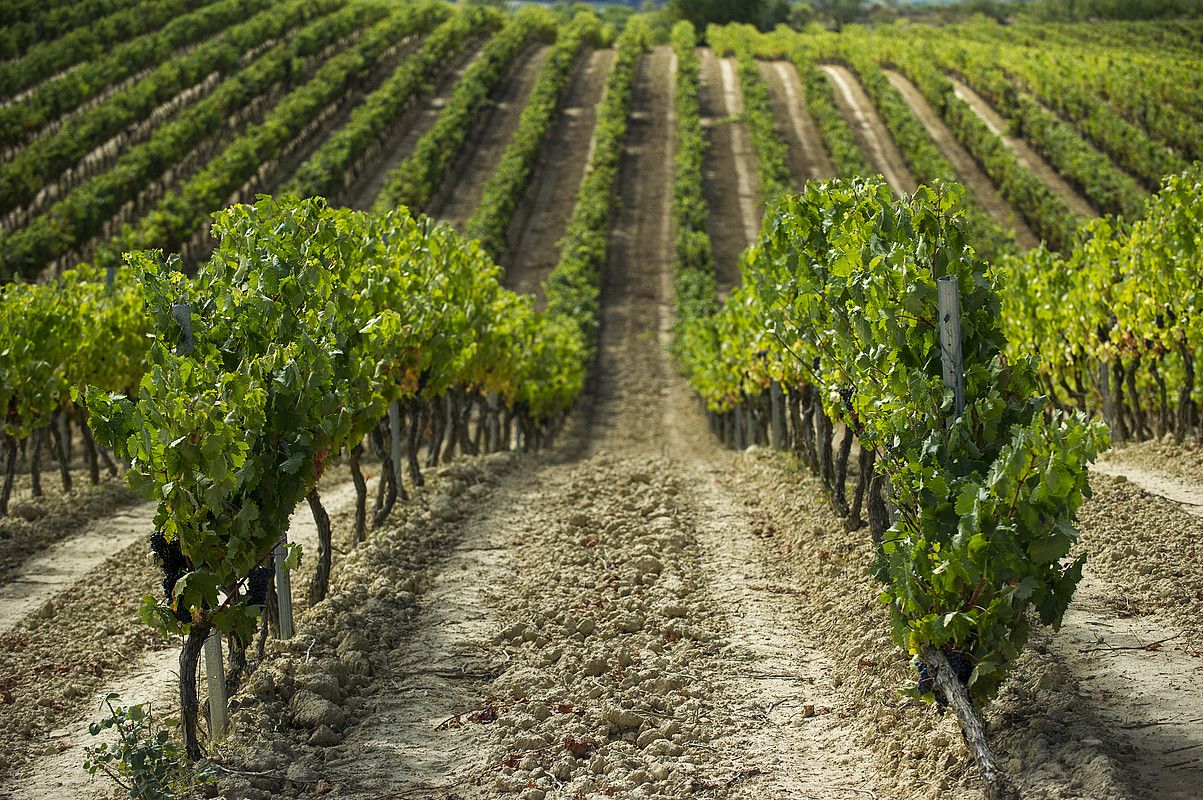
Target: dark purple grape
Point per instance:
(257, 583)
(926, 683)
(961, 665)
(175, 566)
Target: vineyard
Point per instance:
(428, 400)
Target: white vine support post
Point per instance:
(283, 590)
(950, 341)
(394, 429)
(215, 677)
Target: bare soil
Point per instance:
(967, 168)
(55, 568)
(808, 159)
(362, 195)
(1170, 469)
(639, 258)
(869, 131)
(1023, 152)
(730, 181)
(541, 221)
(482, 152)
(34, 524)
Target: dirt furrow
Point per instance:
(1023, 152)
(768, 706)
(639, 254)
(34, 525)
(402, 745)
(1145, 694)
(479, 156)
(730, 181)
(868, 129)
(967, 168)
(808, 159)
(542, 218)
(52, 571)
(416, 122)
(1185, 493)
(779, 684)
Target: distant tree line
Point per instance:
(1087, 10)
(766, 14)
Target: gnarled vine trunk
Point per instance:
(998, 785)
(194, 643)
(325, 544)
(90, 454)
(361, 494)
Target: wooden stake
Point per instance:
(950, 341)
(283, 591)
(215, 678)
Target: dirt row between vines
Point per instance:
(1023, 152)
(808, 159)
(868, 130)
(968, 170)
(730, 180)
(542, 219)
(479, 156)
(35, 524)
(414, 124)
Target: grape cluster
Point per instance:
(257, 582)
(927, 682)
(175, 566)
(961, 665)
(846, 395)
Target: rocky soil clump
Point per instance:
(610, 639)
